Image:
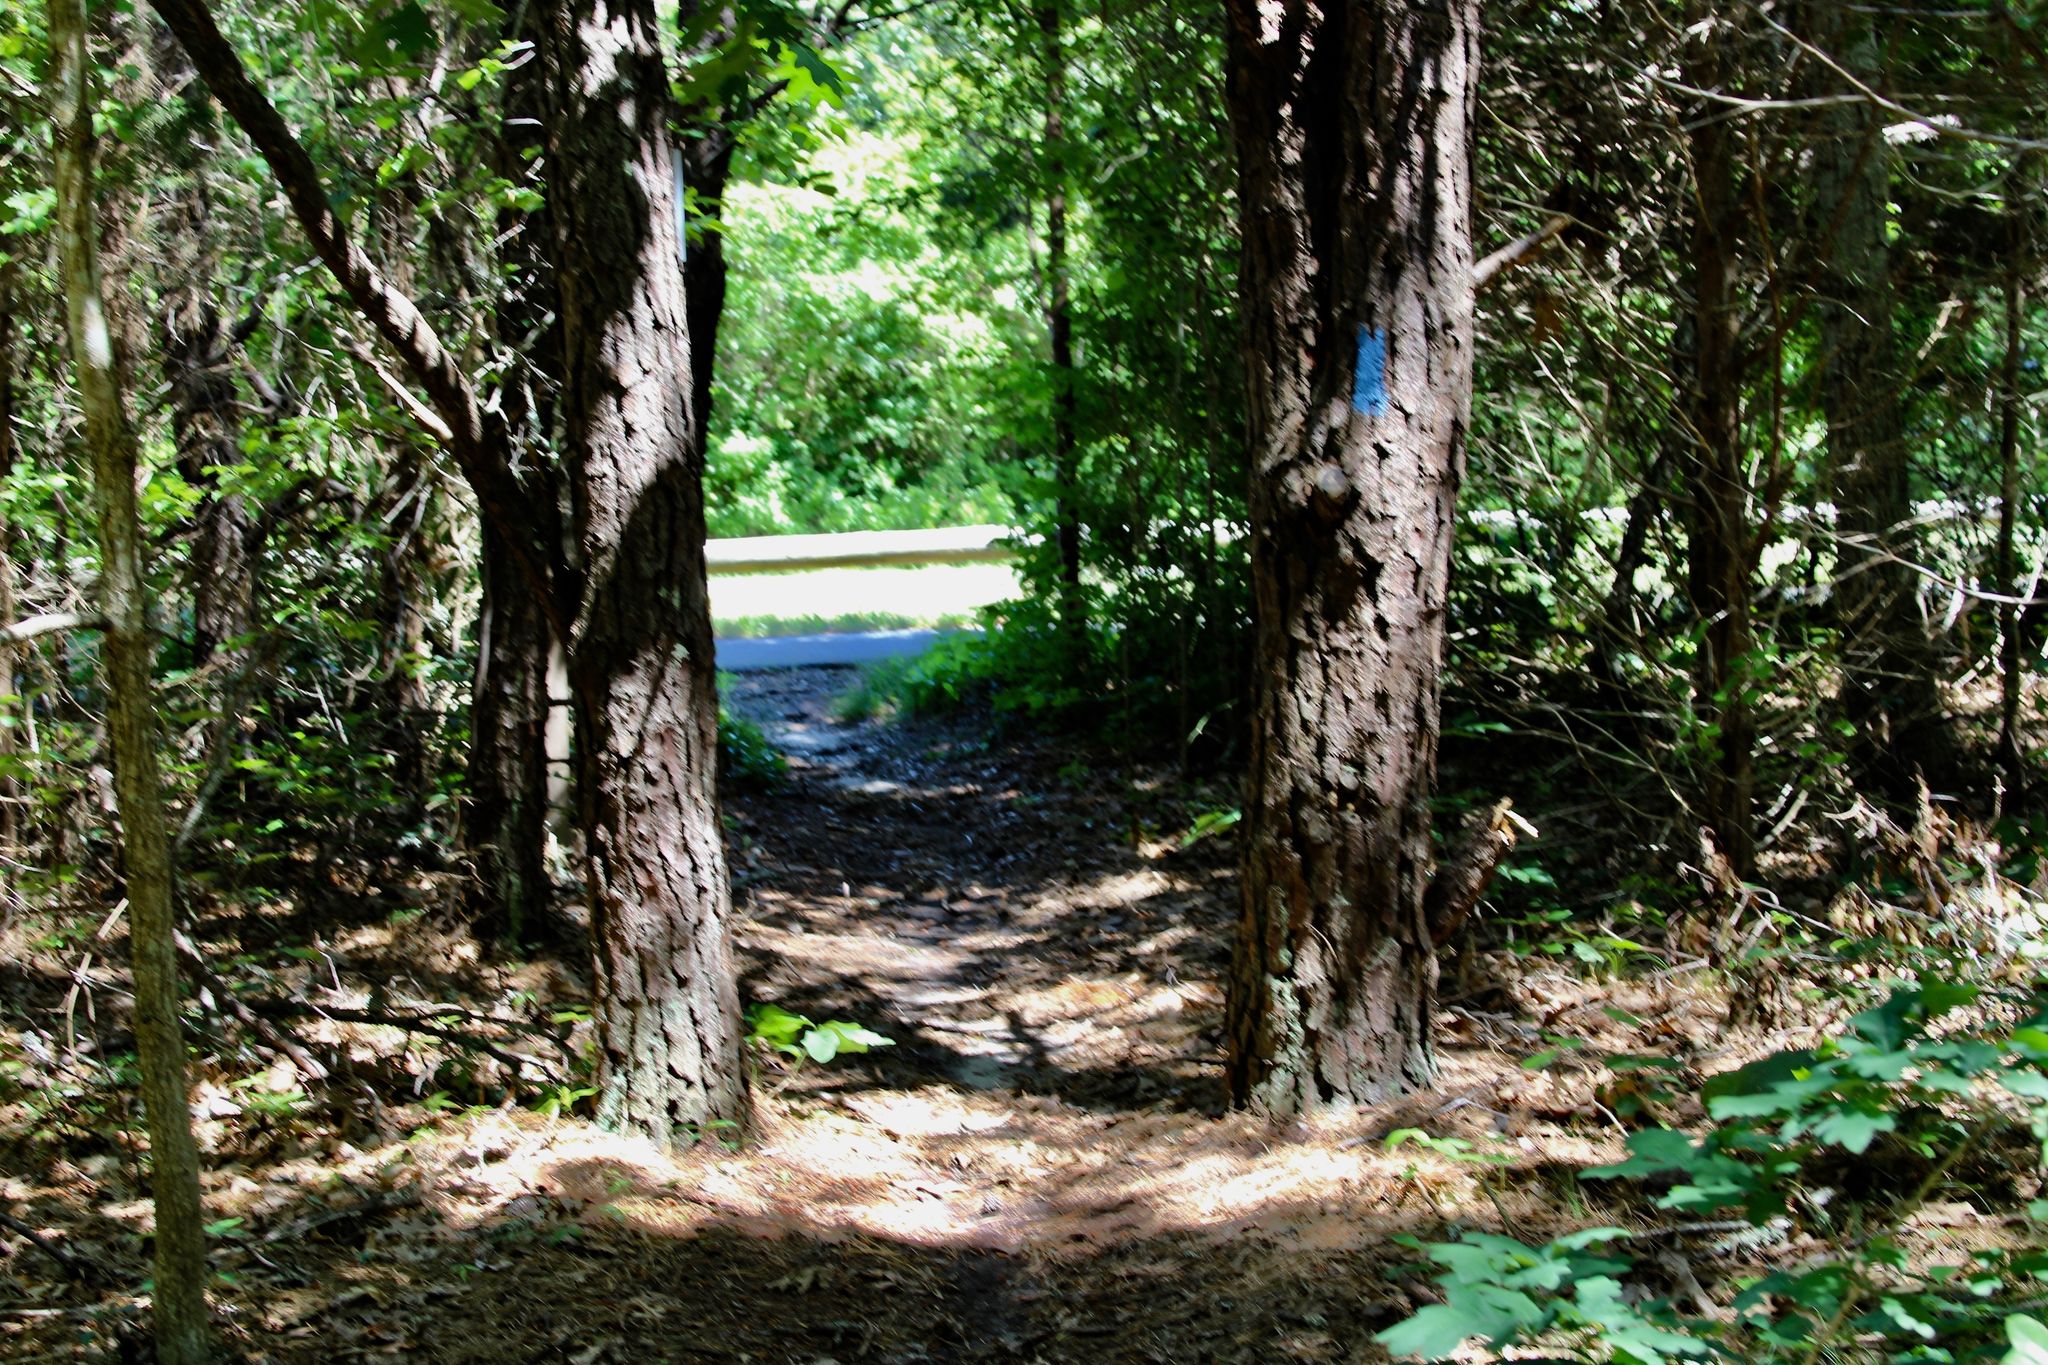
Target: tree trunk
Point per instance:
(1354, 133)
(10, 789)
(196, 351)
(508, 772)
(1059, 325)
(507, 823)
(1889, 692)
(639, 634)
(640, 659)
(405, 503)
(2012, 676)
(179, 1297)
(1718, 536)
(1620, 625)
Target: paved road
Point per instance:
(793, 651)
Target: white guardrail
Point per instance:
(995, 544)
(860, 549)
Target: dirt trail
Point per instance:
(1038, 1170)
(990, 910)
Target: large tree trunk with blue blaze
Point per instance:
(640, 652)
(1354, 132)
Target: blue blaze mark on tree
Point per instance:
(1369, 381)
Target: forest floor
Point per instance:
(1040, 1168)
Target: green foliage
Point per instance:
(560, 1099)
(956, 669)
(746, 756)
(801, 1039)
(1896, 1083)
(855, 356)
(1210, 823)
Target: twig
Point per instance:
(1462, 878)
(85, 1271)
(296, 1009)
(225, 1000)
(1517, 251)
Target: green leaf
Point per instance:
(27, 211)
(2028, 1085)
(1468, 1311)
(1629, 1327)
(853, 1038)
(821, 1044)
(1651, 1152)
(1854, 1130)
(402, 34)
(1587, 1237)
(776, 1026)
(2029, 1341)
(1433, 1333)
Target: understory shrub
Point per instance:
(1840, 1145)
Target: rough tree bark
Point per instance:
(1889, 689)
(633, 607)
(640, 657)
(1354, 129)
(507, 822)
(179, 1299)
(1719, 544)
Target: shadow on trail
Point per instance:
(997, 914)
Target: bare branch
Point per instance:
(49, 623)
(1517, 251)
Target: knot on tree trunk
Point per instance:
(1463, 875)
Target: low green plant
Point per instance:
(1208, 823)
(955, 670)
(257, 1098)
(876, 693)
(746, 756)
(801, 1039)
(1783, 1129)
(558, 1100)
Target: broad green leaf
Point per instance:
(822, 1044)
(1468, 1311)
(1855, 1130)
(2029, 1341)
